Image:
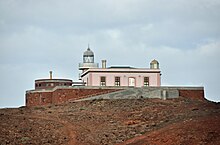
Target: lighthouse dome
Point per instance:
(88, 52)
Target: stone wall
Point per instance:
(68, 95)
(194, 94)
(60, 95)
(138, 93)
(38, 98)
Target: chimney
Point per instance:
(51, 75)
(103, 63)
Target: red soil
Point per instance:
(139, 122)
(204, 130)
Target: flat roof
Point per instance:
(121, 70)
(120, 67)
(52, 80)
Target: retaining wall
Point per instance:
(60, 95)
(193, 94)
(137, 93)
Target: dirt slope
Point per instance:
(138, 122)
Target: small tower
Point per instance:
(88, 60)
(88, 56)
(154, 64)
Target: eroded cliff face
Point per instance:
(134, 121)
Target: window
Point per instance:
(117, 81)
(146, 81)
(102, 81)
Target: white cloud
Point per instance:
(210, 50)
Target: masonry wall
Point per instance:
(38, 98)
(60, 96)
(193, 94)
(67, 95)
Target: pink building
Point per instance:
(92, 75)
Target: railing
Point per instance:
(88, 65)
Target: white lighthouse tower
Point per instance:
(88, 61)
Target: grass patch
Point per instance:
(82, 108)
(25, 139)
(39, 108)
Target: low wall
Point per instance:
(60, 95)
(38, 98)
(138, 93)
(193, 94)
(152, 92)
(68, 95)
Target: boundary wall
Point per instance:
(60, 95)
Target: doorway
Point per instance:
(131, 82)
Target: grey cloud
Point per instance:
(38, 36)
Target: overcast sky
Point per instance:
(37, 36)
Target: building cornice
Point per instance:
(121, 70)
